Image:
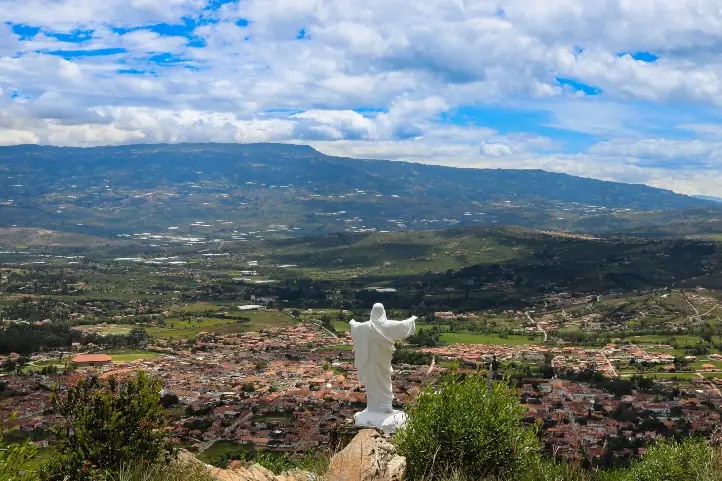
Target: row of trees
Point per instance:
(25, 339)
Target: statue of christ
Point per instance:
(374, 347)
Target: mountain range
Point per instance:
(211, 189)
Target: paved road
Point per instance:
(696, 312)
(714, 386)
(573, 423)
(431, 366)
(538, 326)
(609, 363)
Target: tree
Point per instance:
(14, 458)
(106, 424)
(468, 424)
(169, 399)
(8, 365)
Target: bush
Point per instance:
(468, 425)
(690, 460)
(107, 424)
(175, 471)
(14, 459)
(547, 470)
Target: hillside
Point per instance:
(703, 223)
(209, 189)
(463, 267)
(526, 260)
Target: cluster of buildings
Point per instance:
(581, 422)
(287, 389)
(610, 360)
(279, 389)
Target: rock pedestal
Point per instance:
(369, 457)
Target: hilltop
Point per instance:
(206, 189)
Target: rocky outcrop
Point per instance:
(256, 472)
(259, 473)
(369, 457)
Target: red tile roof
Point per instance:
(92, 358)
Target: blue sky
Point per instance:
(612, 89)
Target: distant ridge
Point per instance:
(708, 197)
(209, 188)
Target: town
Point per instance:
(250, 338)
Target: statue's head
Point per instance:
(378, 313)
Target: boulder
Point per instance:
(259, 473)
(369, 457)
(236, 471)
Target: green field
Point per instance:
(126, 355)
(219, 448)
(461, 337)
(50, 362)
(187, 329)
(107, 329)
(652, 339)
(341, 326)
(393, 254)
(697, 366)
(493, 339)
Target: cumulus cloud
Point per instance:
(588, 88)
(495, 149)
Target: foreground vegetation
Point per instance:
(500, 282)
(107, 425)
(15, 459)
(462, 428)
(468, 428)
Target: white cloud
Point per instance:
(68, 15)
(495, 150)
(334, 125)
(384, 79)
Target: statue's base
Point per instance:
(387, 422)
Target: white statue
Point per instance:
(374, 347)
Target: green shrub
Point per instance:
(15, 458)
(691, 460)
(106, 424)
(468, 425)
(547, 470)
(174, 471)
(316, 463)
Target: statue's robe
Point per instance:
(374, 347)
